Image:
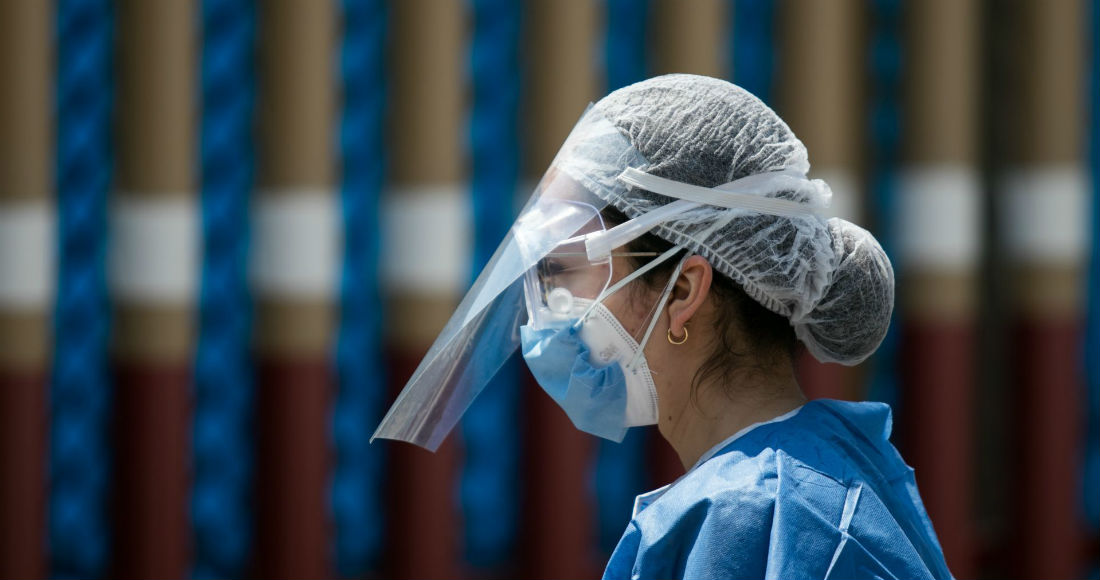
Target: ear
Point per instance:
(689, 293)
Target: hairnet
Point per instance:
(830, 278)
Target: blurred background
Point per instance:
(230, 229)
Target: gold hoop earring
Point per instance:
(678, 341)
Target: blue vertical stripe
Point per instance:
(753, 46)
(627, 42)
(223, 378)
(80, 395)
(620, 475)
(488, 487)
(885, 127)
(1092, 341)
(620, 472)
(357, 484)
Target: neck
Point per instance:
(718, 410)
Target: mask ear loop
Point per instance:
(626, 280)
(664, 296)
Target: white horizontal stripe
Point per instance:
(296, 244)
(154, 248)
(1044, 214)
(27, 268)
(847, 201)
(938, 217)
(427, 238)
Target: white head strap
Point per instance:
(744, 193)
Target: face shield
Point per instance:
(541, 267)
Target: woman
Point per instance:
(679, 208)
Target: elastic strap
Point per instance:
(744, 193)
(598, 245)
(656, 315)
(628, 279)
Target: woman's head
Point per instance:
(827, 281)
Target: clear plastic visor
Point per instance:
(539, 263)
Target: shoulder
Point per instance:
(731, 480)
(715, 522)
(843, 440)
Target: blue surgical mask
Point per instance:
(594, 369)
(593, 397)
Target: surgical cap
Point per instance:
(830, 278)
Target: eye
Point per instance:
(550, 267)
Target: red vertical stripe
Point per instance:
(152, 476)
(559, 521)
(1047, 365)
(293, 457)
(826, 381)
(666, 464)
(22, 475)
(423, 522)
(937, 407)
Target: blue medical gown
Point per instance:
(822, 494)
